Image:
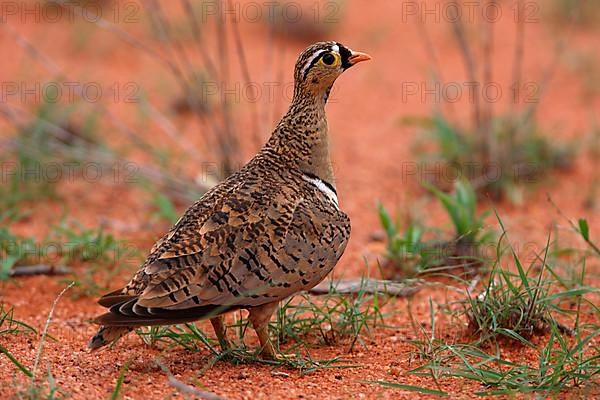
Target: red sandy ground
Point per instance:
(370, 148)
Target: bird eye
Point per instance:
(328, 59)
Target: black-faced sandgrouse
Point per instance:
(267, 232)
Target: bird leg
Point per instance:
(259, 317)
(218, 324)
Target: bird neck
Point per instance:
(301, 137)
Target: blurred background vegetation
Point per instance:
(115, 116)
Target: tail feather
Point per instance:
(107, 335)
(125, 314)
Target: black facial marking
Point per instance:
(324, 56)
(345, 53)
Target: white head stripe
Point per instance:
(323, 188)
(310, 60)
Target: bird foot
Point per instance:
(284, 358)
(273, 356)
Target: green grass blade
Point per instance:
(584, 228)
(411, 388)
(119, 384)
(20, 366)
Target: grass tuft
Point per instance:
(409, 254)
(514, 307)
(300, 321)
(331, 318)
(11, 326)
(521, 154)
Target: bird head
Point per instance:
(319, 65)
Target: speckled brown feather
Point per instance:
(265, 233)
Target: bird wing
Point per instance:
(227, 258)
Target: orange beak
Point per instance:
(357, 57)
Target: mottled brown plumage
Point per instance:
(270, 230)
